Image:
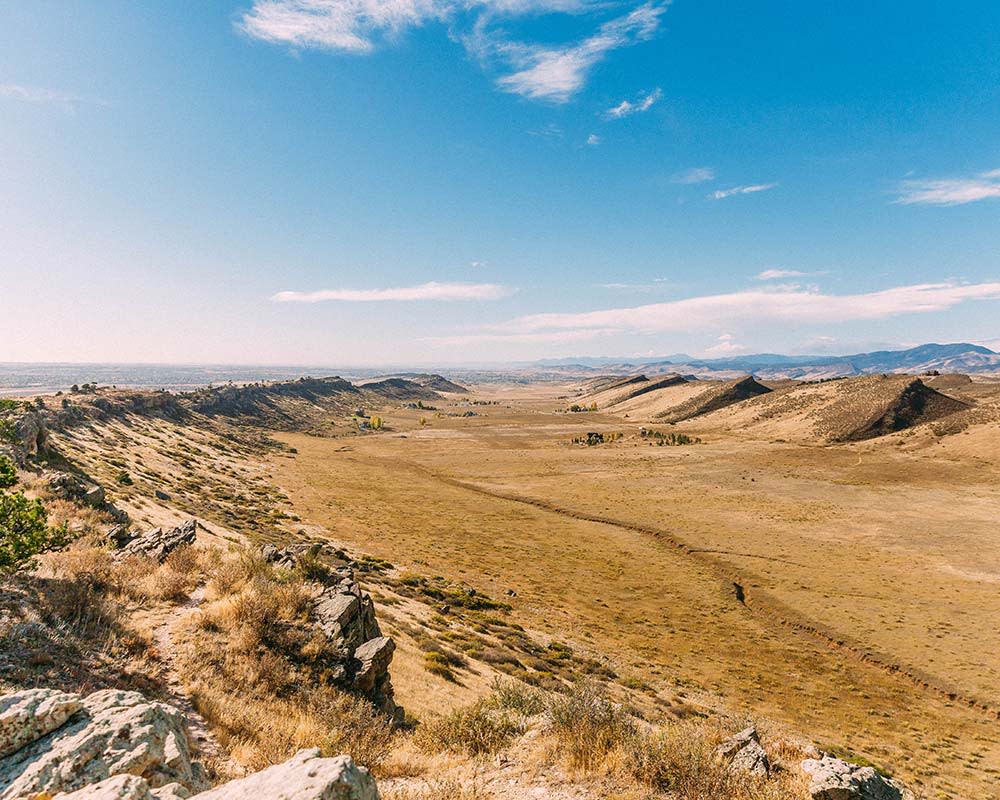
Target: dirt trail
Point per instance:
(754, 600)
(208, 746)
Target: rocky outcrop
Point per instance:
(346, 615)
(25, 434)
(744, 753)
(30, 715)
(835, 779)
(305, 776)
(71, 487)
(110, 733)
(156, 543)
(115, 745)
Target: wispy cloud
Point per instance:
(40, 96)
(777, 274)
(426, 291)
(627, 108)
(722, 194)
(756, 307)
(593, 140)
(557, 73)
(543, 72)
(694, 175)
(950, 191)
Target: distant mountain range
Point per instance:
(958, 357)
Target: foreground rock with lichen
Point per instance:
(117, 745)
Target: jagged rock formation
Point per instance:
(115, 745)
(346, 616)
(744, 753)
(72, 487)
(156, 543)
(834, 779)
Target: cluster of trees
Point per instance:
(576, 408)
(24, 526)
(669, 439)
(593, 438)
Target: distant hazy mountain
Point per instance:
(958, 357)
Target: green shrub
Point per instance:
(24, 531)
(8, 473)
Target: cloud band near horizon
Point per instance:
(784, 305)
(426, 291)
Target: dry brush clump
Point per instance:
(596, 737)
(264, 677)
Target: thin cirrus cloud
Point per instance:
(426, 291)
(722, 194)
(950, 191)
(786, 304)
(557, 73)
(778, 274)
(694, 175)
(627, 108)
(40, 96)
(541, 72)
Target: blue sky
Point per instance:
(432, 181)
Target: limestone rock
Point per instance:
(29, 715)
(112, 733)
(835, 779)
(30, 434)
(305, 776)
(744, 753)
(126, 787)
(158, 543)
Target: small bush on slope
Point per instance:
(24, 531)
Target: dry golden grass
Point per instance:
(258, 671)
(882, 544)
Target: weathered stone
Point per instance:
(375, 656)
(744, 753)
(113, 733)
(119, 536)
(835, 779)
(126, 787)
(94, 496)
(305, 776)
(31, 714)
(118, 787)
(159, 543)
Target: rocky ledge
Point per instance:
(116, 745)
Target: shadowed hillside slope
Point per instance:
(714, 398)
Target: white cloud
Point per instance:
(776, 274)
(759, 306)
(40, 96)
(627, 108)
(593, 140)
(557, 73)
(950, 191)
(543, 72)
(721, 194)
(694, 175)
(726, 345)
(426, 291)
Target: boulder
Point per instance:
(158, 543)
(126, 787)
(111, 733)
(835, 779)
(29, 715)
(744, 753)
(30, 434)
(305, 776)
(374, 657)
